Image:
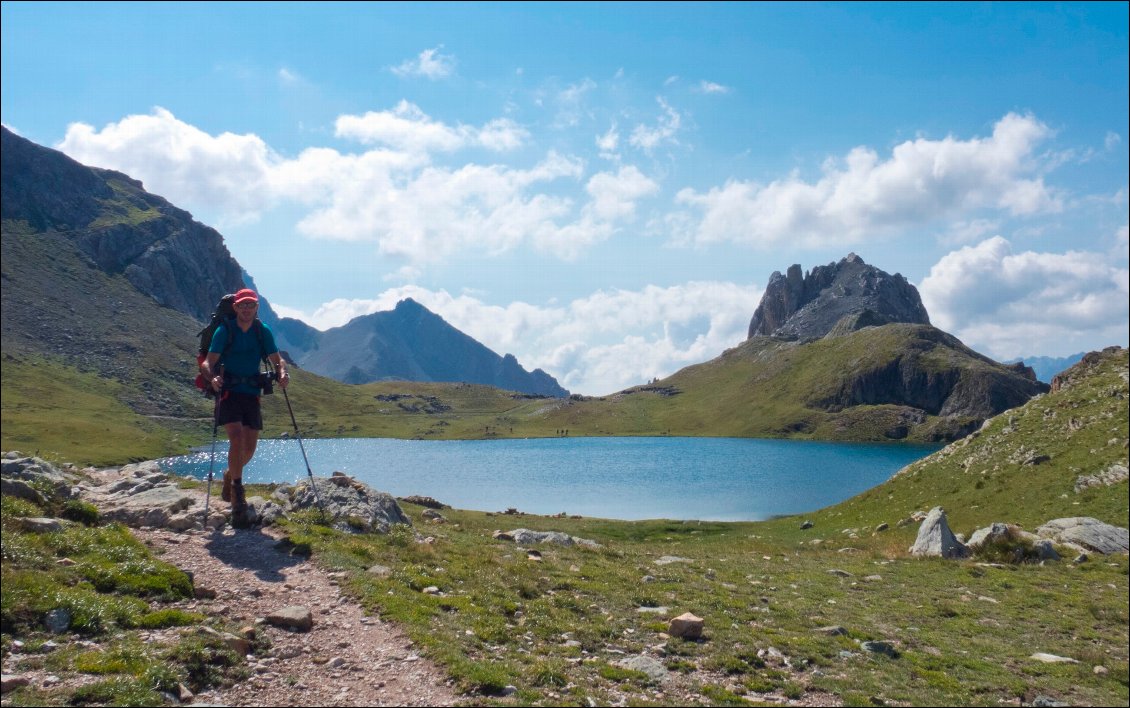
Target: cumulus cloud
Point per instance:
(430, 64)
(181, 162)
(649, 137)
(392, 194)
(597, 344)
(1002, 302)
(862, 195)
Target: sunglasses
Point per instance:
(246, 305)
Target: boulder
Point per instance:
(651, 666)
(936, 539)
(354, 506)
(526, 537)
(1091, 534)
(34, 469)
(686, 626)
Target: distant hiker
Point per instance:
(232, 367)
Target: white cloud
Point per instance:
(429, 64)
(647, 138)
(614, 196)
(598, 344)
(180, 162)
(1003, 303)
(394, 197)
(406, 127)
(711, 87)
(1112, 140)
(608, 143)
(861, 196)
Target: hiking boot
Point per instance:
(238, 505)
(225, 493)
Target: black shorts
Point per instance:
(240, 408)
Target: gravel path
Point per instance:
(346, 659)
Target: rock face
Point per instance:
(157, 247)
(836, 298)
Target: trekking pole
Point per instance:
(212, 463)
(304, 458)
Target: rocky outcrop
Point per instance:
(1087, 533)
(143, 495)
(123, 229)
(834, 299)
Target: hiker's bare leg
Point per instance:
(242, 441)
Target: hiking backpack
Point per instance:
(224, 314)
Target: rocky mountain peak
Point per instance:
(834, 299)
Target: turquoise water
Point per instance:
(712, 479)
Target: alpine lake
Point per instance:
(628, 478)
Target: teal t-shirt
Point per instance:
(244, 355)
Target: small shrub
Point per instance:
(618, 674)
(169, 618)
(204, 659)
(84, 513)
(1009, 548)
(550, 674)
(488, 678)
(723, 697)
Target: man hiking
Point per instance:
(232, 368)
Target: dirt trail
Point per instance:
(346, 659)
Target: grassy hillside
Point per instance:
(773, 388)
(1023, 466)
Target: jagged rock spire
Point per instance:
(850, 293)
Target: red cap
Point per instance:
(246, 294)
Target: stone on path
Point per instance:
(292, 617)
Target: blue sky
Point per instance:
(604, 189)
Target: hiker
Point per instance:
(241, 343)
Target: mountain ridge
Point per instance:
(121, 229)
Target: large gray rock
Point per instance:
(33, 469)
(526, 537)
(936, 539)
(353, 506)
(649, 665)
(1091, 534)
